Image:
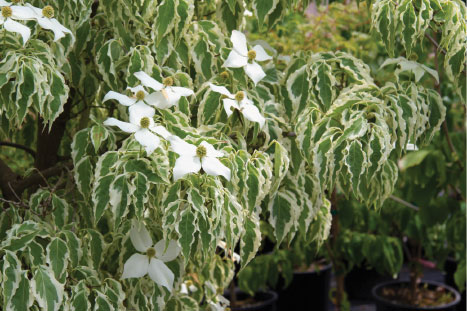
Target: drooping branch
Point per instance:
(18, 146)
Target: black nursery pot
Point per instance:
(360, 281)
(383, 304)
(264, 301)
(307, 291)
(450, 267)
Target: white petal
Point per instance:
(251, 112)
(221, 89)
(183, 289)
(182, 147)
(247, 13)
(172, 96)
(135, 89)
(47, 23)
(140, 237)
(255, 72)
(161, 131)
(148, 81)
(212, 166)
(235, 60)
(22, 12)
(161, 274)
(60, 30)
(37, 11)
(148, 140)
(185, 165)
(261, 54)
(156, 99)
(4, 3)
(239, 42)
(140, 110)
(182, 91)
(135, 267)
(122, 99)
(228, 104)
(173, 250)
(211, 151)
(13, 26)
(124, 126)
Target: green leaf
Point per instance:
(140, 193)
(325, 85)
(298, 86)
(408, 20)
(355, 162)
(74, 246)
(83, 175)
(186, 229)
(101, 195)
(47, 291)
(165, 20)
(119, 198)
(98, 134)
(22, 299)
(384, 21)
(96, 247)
(262, 8)
(11, 276)
(57, 258)
(281, 214)
(413, 158)
(60, 211)
(250, 240)
(79, 301)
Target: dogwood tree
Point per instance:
(149, 121)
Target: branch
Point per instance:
(405, 203)
(40, 177)
(437, 47)
(18, 146)
(7, 179)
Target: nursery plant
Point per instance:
(144, 141)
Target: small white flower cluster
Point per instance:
(44, 17)
(141, 112)
(154, 258)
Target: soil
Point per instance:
(314, 267)
(425, 297)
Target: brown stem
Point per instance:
(444, 125)
(233, 294)
(18, 146)
(7, 179)
(337, 263)
(48, 143)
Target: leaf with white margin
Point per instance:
(47, 291)
(11, 276)
(250, 240)
(57, 258)
(187, 228)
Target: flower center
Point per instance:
(140, 95)
(201, 151)
(224, 74)
(168, 81)
(144, 122)
(239, 96)
(48, 11)
(251, 54)
(6, 11)
(189, 283)
(151, 252)
(16, 1)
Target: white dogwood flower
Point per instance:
(241, 102)
(166, 94)
(223, 245)
(153, 262)
(45, 18)
(188, 287)
(240, 56)
(142, 125)
(193, 158)
(220, 305)
(9, 14)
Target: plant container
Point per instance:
(261, 301)
(360, 281)
(385, 304)
(450, 267)
(308, 288)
